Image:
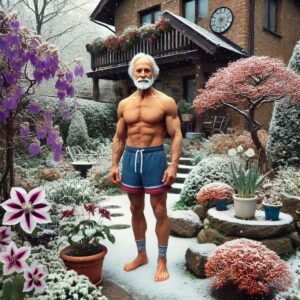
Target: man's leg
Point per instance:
(162, 230)
(139, 226)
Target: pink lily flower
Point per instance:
(34, 278)
(14, 259)
(26, 209)
(5, 236)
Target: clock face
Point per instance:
(221, 19)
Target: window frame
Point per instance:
(196, 12)
(150, 11)
(185, 86)
(267, 17)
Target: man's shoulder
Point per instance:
(164, 97)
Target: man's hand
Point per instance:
(170, 175)
(114, 175)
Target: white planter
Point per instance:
(244, 207)
(186, 117)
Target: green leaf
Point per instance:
(13, 288)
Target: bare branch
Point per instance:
(63, 32)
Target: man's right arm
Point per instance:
(118, 145)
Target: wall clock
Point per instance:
(221, 19)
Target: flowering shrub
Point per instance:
(208, 170)
(129, 37)
(249, 265)
(214, 191)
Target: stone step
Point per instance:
(184, 169)
(181, 177)
(183, 160)
(176, 188)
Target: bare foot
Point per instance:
(162, 273)
(140, 260)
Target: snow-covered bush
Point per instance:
(100, 117)
(77, 133)
(284, 139)
(65, 285)
(210, 169)
(248, 265)
(69, 191)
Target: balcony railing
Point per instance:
(168, 43)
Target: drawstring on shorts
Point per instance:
(136, 158)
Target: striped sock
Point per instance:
(141, 245)
(162, 251)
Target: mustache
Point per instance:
(143, 80)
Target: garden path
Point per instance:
(139, 283)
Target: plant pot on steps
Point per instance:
(244, 208)
(221, 204)
(272, 211)
(90, 266)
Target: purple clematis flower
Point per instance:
(34, 278)
(79, 70)
(5, 236)
(14, 259)
(104, 212)
(26, 209)
(35, 147)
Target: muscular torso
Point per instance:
(145, 119)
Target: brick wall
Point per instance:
(269, 44)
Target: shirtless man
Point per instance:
(143, 120)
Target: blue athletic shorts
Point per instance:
(143, 170)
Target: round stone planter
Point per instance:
(271, 211)
(244, 207)
(82, 167)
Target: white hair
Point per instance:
(155, 68)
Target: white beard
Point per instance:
(143, 83)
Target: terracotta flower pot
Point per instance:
(90, 266)
(244, 208)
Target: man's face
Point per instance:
(143, 75)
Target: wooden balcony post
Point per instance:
(199, 84)
(96, 90)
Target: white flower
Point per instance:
(249, 153)
(240, 149)
(232, 152)
(90, 232)
(77, 238)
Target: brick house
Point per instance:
(205, 35)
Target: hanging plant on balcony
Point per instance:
(129, 37)
(148, 32)
(96, 46)
(112, 43)
(162, 25)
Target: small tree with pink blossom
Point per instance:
(26, 61)
(245, 85)
(248, 265)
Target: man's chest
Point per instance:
(150, 112)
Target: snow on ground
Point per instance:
(140, 283)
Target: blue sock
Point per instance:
(141, 245)
(162, 251)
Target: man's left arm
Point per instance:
(174, 130)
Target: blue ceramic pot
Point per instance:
(221, 204)
(272, 211)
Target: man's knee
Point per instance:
(136, 210)
(160, 212)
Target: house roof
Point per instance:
(203, 38)
(105, 11)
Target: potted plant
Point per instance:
(85, 253)
(217, 193)
(271, 204)
(246, 181)
(186, 110)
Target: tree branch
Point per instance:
(61, 33)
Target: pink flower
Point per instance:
(68, 213)
(104, 213)
(34, 278)
(5, 235)
(90, 208)
(26, 209)
(14, 259)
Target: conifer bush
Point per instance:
(78, 133)
(284, 140)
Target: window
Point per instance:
(150, 16)
(270, 15)
(189, 88)
(192, 9)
